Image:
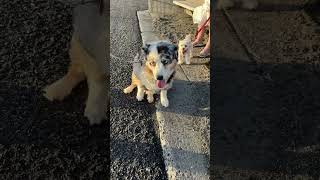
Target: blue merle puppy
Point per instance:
(153, 71)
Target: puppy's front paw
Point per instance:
(95, 114)
(165, 102)
(150, 99)
(56, 91)
(139, 97)
(180, 62)
(188, 62)
(127, 90)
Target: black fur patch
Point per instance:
(168, 51)
(145, 49)
(163, 49)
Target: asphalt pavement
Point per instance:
(41, 139)
(135, 147)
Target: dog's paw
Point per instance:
(180, 62)
(95, 114)
(139, 98)
(165, 102)
(55, 92)
(127, 90)
(188, 62)
(150, 99)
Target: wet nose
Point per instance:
(160, 78)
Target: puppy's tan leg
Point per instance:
(135, 82)
(133, 85)
(129, 89)
(63, 87)
(150, 97)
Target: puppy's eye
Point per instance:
(185, 45)
(152, 63)
(164, 62)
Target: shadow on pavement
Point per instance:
(186, 98)
(182, 155)
(266, 117)
(271, 7)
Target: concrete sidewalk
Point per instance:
(184, 125)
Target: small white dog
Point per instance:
(185, 50)
(247, 4)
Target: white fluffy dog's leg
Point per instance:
(250, 4)
(63, 87)
(140, 93)
(180, 58)
(163, 98)
(225, 4)
(188, 58)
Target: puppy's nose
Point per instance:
(160, 78)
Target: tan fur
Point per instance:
(83, 66)
(135, 82)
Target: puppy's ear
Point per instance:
(188, 37)
(174, 49)
(145, 48)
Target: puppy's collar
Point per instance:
(171, 77)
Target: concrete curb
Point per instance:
(184, 125)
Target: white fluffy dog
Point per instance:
(247, 4)
(185, 50)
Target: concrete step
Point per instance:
(189, 6)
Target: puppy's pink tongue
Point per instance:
(160, 83)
